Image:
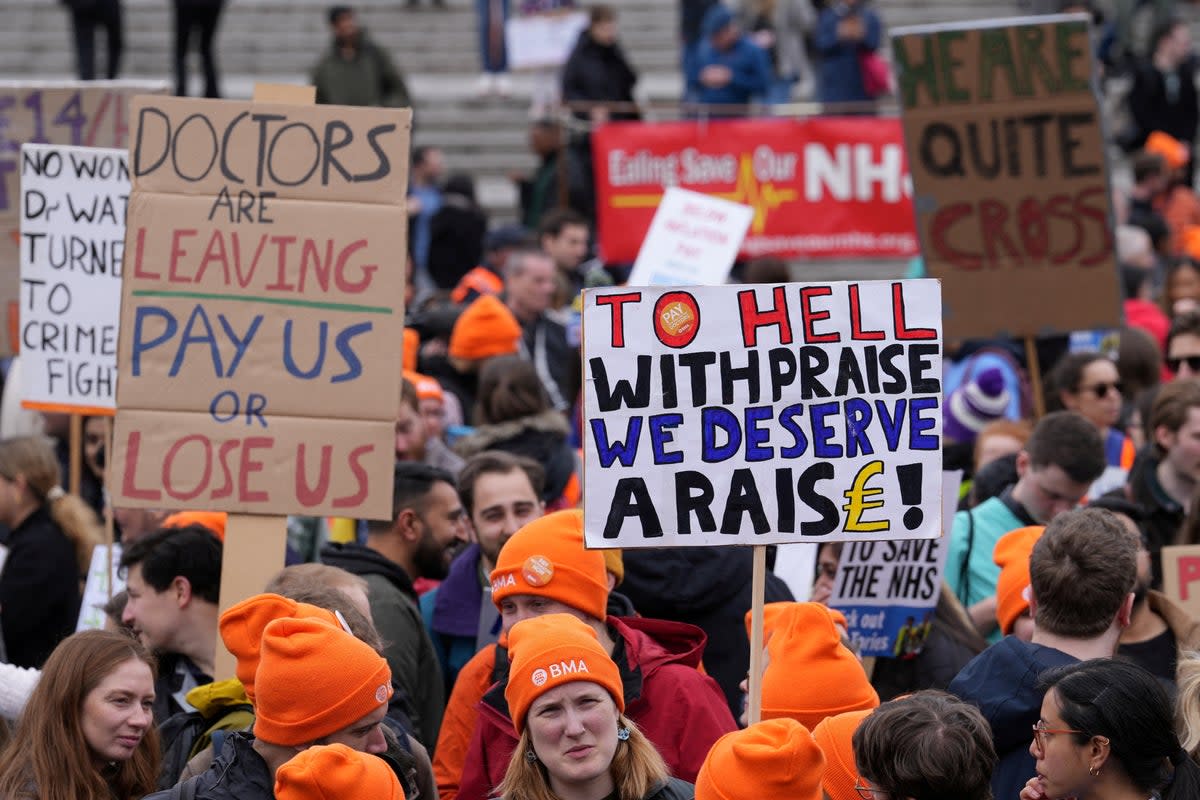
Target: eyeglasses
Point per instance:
(1101, 389)
(1040, 730)
(866, 792)
(1193, 363)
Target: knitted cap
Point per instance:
(314, 680)
(213, 520)
(242, 629)
(1012, 553)
(811, 674)
(487, 328)
(335, 772)
(1174, 152)
(834, 735)
(546, 558)
(975, 404)
(427, 388)
(551, 650)
(776, 758)
(410, 350)
(614, 563)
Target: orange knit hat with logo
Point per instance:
(1174, 152)
(242, 629)
(410, 349)
(776, 758)
(313, 680)
(546, 558)
(335, 772)
(427, 387)
(487, 328)
(212, 520)
(1012, 554)
(834, 735)
(811, 674)
(550, 650)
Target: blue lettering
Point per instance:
(190, 337)
(892, 426)
(787, 418)
(918, 425)
(822, 447)
(756, 436)
(140, 345)
(660, 437)
(625, 451)
(240, 344)
(289, 362)
(711, 419)
(216, 401)
(342, 343)
(858, 420)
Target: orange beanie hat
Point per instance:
(242, 629)
(775, 758)
(410, 350)
(547, 558)
(487, 328)
(614, 563)
(1174, 152)
(772, 612)
(313, 680)
(806, 643)
(551, 650)
(427, 388)
(213, 520)
(1012, 553)
(834, 735)
(335, 772)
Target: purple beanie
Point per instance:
(973, 405)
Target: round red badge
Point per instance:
(537, 571)
(676, 319)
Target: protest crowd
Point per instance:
(552, 594)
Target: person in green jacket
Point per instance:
(355, 71)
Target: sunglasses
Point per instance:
(1101, 389)
(1193, 363)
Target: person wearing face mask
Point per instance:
(567, 702)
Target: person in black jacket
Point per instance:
(86, 17)
(456, 233)
(198, 18)
(1163, 97)
(597, 70)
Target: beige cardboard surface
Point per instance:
(1010, 178)
(65, 112)
(262, 298)
(1181, 576)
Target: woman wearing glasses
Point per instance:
(1088, 383)
(1107, 731)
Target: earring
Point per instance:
(623, 734)
(530, 756)
(1095, 772)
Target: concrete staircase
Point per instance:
(278, 40)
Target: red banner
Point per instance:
(820, 188)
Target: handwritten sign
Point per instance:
(693, 241)
(888, 590)
(1010, 178)
(1181, 576)
(96, 591)
(72, 244)
(762, 414)
(262, 308)
(88, 114)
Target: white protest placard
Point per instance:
(693, 240)
(538, 41)
(764, 414)
(72, 218)
(95, 590)
(888, 590)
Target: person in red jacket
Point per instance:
(544, 569)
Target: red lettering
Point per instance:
(281, 277)
(205, 474)
(226, 488)
(1099, 215)
(339, 272)
(856, 331)
(249, 466)
(617, 304)
(753, 318)
(308, 496)
(809, 316)
(128, 489)
(902, 329)
(177, 252)
(1034, 230)
(939, 230)
(360, 475)
(1059, 208)
(1189, 573)
(993, 215)
(138, 250)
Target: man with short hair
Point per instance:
(545, 569)
(427, 529)
(1082, 574)
(1054, 471)
(1183, 346)
(500, 493)
(563, 235)
(173, 579)
(355, 71)
(1165, 475)
(529, 287)
(927, 746)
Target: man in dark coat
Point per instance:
(597, 70)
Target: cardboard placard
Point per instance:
(762, 414)
(1181, 576)
(888, 590)
(262, 303)
(73, 202)
(78, 113)
(1010, 177)
(693, 240)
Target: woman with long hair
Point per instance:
(1107, 731)
(88, 731)
(50, 542)
(567, 703)
(1088, 383)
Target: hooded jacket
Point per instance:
(407, 647)
(542, 437)
(678, 708)
(1003, 682)
(708, 587)
(748, 63)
